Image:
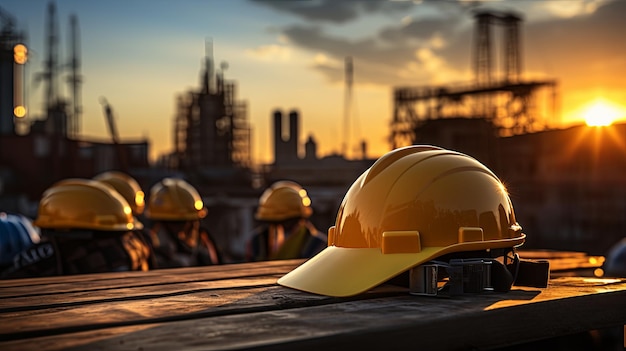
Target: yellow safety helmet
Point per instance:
(283, 200)
(127, 186)
(84, 204)
(174, 199)
(413, 205)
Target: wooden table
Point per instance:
(240, 306)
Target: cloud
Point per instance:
(569, 9)
(334, 11)
(432, 42)
(270, 53)
(387, 56)
(417, 31)
(335, 49)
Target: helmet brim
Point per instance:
(344, 271)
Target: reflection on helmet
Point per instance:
(174, 199)
(84, 204)
(127, 186)
(283, 200)
(16, 234)
(615, 264)
(413, 205)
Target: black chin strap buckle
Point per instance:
(476, 275)
(464, 276)
(470, 276)
(423, 279)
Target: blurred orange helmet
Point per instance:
(413, 205)
(174, 199)
(84, 204)
(283, 200)
(127, 186)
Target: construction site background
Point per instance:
(567, 185)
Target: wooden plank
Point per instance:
(575, 263)
(397, 321)
(168, 284)
(171, 283)
(549, 254)
(113, 280)
(564, 260)
(59, 320)
(127, 295)
(101, 313)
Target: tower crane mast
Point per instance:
(75, 78)
(108, 114)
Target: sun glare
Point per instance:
(602, 113)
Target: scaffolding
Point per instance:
(211, 128)
(512, 105)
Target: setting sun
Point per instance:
(602, 113)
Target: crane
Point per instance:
(75, 78)
(7, 32)
(108, 114)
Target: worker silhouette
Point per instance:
(285, 232)
(176, 235)
(86, 227)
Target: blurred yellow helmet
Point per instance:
(127, 186)
(283, 200)
(174, 199)
(413, 205)
(84, 204)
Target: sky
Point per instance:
(142, 54)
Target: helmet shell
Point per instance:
(84, 204)
(127, 186)
(283, 200)
(413, 205)
(174, 199)
(430, 191)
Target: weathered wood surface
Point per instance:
(241, 307)
(565, 261)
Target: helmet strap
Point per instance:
(475, 275)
